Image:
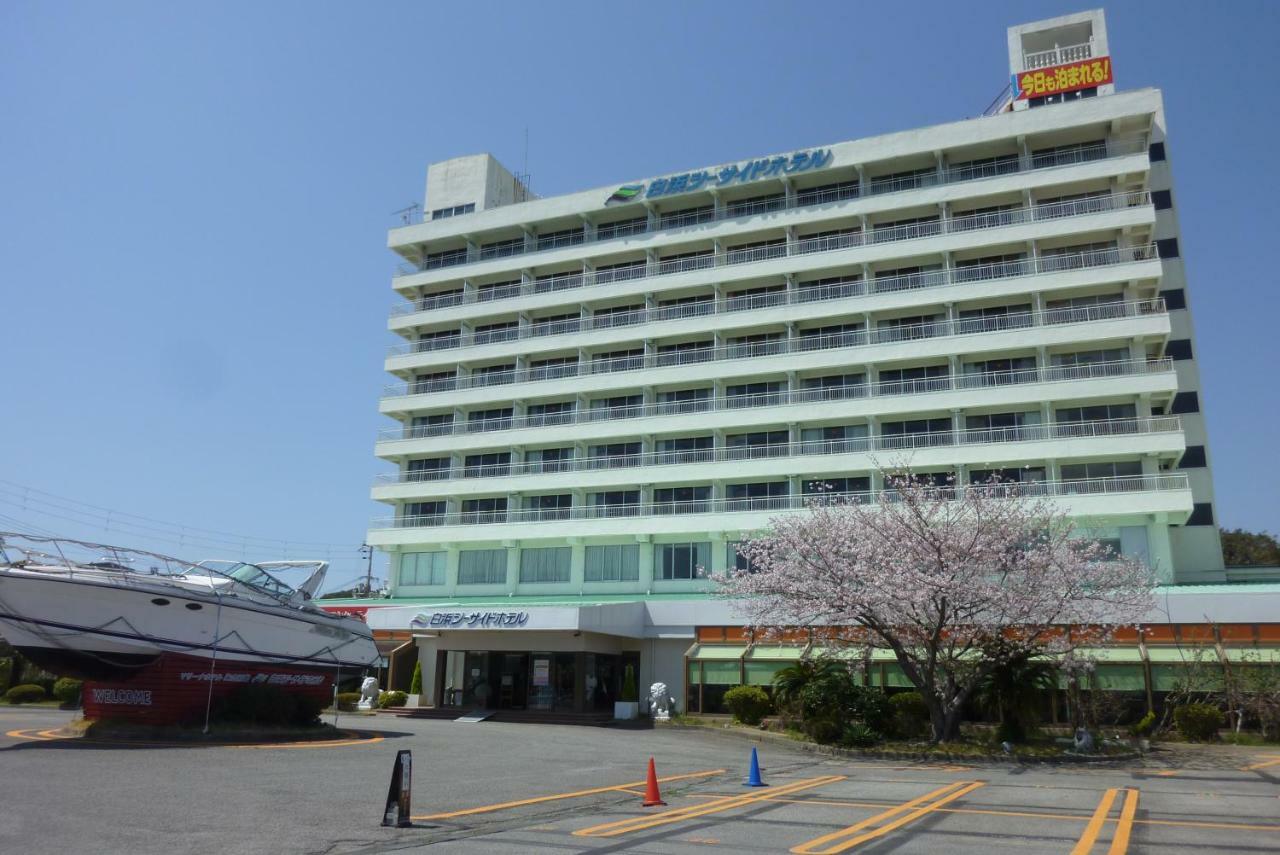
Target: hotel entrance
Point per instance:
(547, 681)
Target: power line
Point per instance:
(21, 495)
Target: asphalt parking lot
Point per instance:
(509, 788)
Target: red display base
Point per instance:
(175, 688)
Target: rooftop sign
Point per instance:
(1083, 74)
(752, 170)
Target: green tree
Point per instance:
(1242, 548)
(1013, 690)
(415, 685)
(789, 683)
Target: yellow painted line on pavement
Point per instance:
(574, 795)
(641, 823)
(1094, 828)
(1120, 841)
(1060, 817)
(894, 818)
(1275, 761)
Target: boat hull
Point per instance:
(111, 624)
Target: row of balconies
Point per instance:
(652, 356)
(786, 248)
(770, 504)
(647, 222)
(969, 382)
(866, 444)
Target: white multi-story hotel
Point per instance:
(598, 394)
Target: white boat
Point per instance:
(102, 618)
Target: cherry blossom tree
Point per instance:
(955, 581)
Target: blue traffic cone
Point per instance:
(753, 776)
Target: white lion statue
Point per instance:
(660, 701)
(368, 693)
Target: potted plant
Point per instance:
(629, 707)
(1142, 729)
(415, 685)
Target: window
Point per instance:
(1096, 413)
(622, 228)
(617, 360)
(909, 328)
(482, 420)
(827, 193)
(830, 288)
(431, 469)
(555, 413)
(985, 167)
(567, 237)
(916, 433)
(503, 331)
(454, 211)
(1008, 475)
(686, 352)
(502, 248)
(756, 298)
(1167, 247)
(557, 324)
(623, 271)
(431, 425)
(755, 394)
(1193, 457)
(482, 567)
(1103, 469)
(1174, 298)
(1185, 402)
(615, 454)
(549, 459)
(687, 217)
(994, 318)
(756, 205)
(736, 560)
(757, 444)
(422, 568)
(835, 335)
(486, 465)
(992, 267)
(760, 344)
(907, 180)
(434, 382)
(423, 514)
(616, 503)
(557, 366)
(681, 500)
(833, 439)
(833, 387)
(1201, 514)
(762, 496)
(1067, 154)
(545, 565)
(837, 485)
(428, 341)
(1156, 151)
(682, 560)
(684, 401)
(448, 258)
(555, 507)
(756, 251)
(618, 407)
(1091, 357)
(480, 511)
(615, 563)
(494, 375)
(685, 449)
(1162, 199)
(618, 316)
(1178, 348)
(901, 381)
(497, 290)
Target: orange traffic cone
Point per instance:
(652, 798)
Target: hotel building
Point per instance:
(597, 395)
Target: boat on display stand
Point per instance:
(153, 634)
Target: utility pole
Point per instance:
(367, 551)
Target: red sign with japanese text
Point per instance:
(1072, 76)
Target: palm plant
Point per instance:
(1013, 690)
(790, 682)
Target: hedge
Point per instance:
(27, 693)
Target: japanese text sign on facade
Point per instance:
(1070, 77)
(470, 620)
(724, 176)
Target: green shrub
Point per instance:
(833, 698)
(67, 690)
(1198, 722)
(415, 685)
(858, 735)
(749, 704)
(387, 700)
(1143, 726)
(27, 693)
(347, 701)
(910, 715)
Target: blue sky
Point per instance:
(194, 202)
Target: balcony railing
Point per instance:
(949, 383)
(875, 186)
(765, 504)
(1056, 56)
(867, 444)
(884, 334)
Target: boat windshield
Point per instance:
(251, 575)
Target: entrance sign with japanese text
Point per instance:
(470, 620)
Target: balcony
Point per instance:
(854, 288)
(1056, 56)
(1059, 431)
(1046, 374)
(1125, 486)
(781, 346)
(802, 200)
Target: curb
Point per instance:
(856, 754)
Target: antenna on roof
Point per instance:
(524, 178)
